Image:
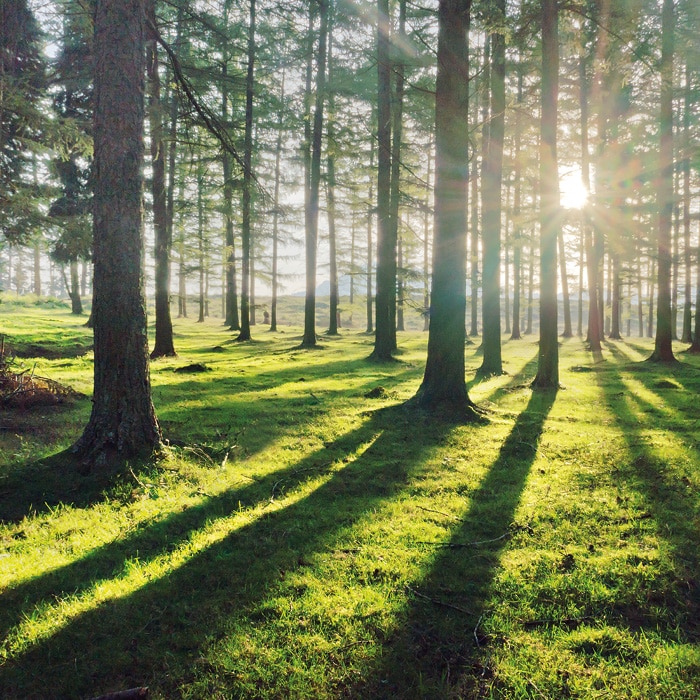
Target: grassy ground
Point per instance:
(305, 537)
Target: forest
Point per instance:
(349, 349)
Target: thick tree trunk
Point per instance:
(492, 179)
(385, 302)
(123, 423)
(548, 356)
(663, 350)
(444, 388)
(163, 345)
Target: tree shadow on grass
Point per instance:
(158, 634)
(672, 606)
(37, 486)
(437, 652)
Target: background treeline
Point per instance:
(236, 94)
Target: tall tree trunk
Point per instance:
(517, 196)
(548, 356)
(397, 135)
(244, 333)
(385, 302)
(123, 423)
(164, 344)
(312, 208)
(330, 197)
(663, 350)
(444, 387)
(37, 268)
(687, 330)
(492, 180)
(200, 237)
(568, 330)
(370, 216)
(276, 209)
(232, 318)
(426, 243)
(616, 305)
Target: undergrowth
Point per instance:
(305, 536)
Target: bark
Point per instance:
(163, 345)
(123, 423)
(492, 180)
(548, 355)
(312, 208)
(397, 134)
(444, 388)
(370, 216)
(330, 200)
(385, 302)
(663, 350)
(246, 223)
(687, 329)
(276, 209)
(233, 320)
(517, 196)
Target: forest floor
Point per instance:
(304, 536)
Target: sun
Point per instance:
(573, 192)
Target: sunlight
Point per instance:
(574, 194)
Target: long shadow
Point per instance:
(120, 642)
(38, 486)
(437, 651)
(673, 607)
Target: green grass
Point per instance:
(303, 540)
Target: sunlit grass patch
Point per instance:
(304, 536)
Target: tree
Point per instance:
(21, 121)
(444, 387)
(492, 179)
(663, 350)
(547, 376)
(385, 301)
(312, 205)
(164, 345)
(123, 422)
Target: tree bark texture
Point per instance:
(663, 350)
(385, 303)
(123, 423)
(492, 179)
(164, 344)
(548, 356)
(443, 386)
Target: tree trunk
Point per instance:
(385, 302)
(330, 198)
(517, 196)
(444, 388)
(663, 350)
(276, 210)
(123, 423)
(370, 215)
(312, 208)
(492, 178)
(687, 329)
(246, 223)
(398, 70)
(163, 345)
(566, 299)
(548, 356)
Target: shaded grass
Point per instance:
(302, 539)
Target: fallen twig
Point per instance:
(437, 601)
